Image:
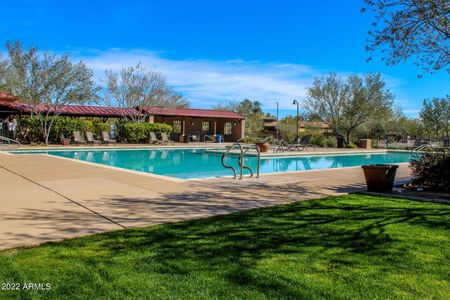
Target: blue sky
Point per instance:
(219, 51)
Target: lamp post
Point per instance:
(296, 102)
(278, 136)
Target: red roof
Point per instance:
(73, 110)
(8, 97)
(191, 112)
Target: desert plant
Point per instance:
(331, 142)
(432, 170)
(319, 140)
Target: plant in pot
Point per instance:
(380, 178)
(264, 144)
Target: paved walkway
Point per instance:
(44, 198)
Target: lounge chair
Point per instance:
(154, 139)
(77, 139)
(302, 144)
(106, 139)
(90, 138)
(165, 139)
(282, 146)
(194, 138)
(208, 139)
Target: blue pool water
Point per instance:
(196, 163)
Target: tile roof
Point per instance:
(10, 101)
(74, 110)
(191, 112)
(8, 97)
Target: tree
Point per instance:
(137, 87)
(435, 116)
(46, 82)
(411, 28)
(345, 105)
(251, 110)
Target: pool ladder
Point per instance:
(242, 151)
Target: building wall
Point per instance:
(193, 126)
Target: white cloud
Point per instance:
(206, 82)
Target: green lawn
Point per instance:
(343, 247)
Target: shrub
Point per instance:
(100, 126)
(319, 140)
(140, 132)
(351, 145)
(28, 130)
(432, 170)
(331, 142)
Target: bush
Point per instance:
(432, 170)
(28, 130)
(65, 126)
(100, 126)
(140, 132)
(319, 140)
(351, 145)
(331, 142)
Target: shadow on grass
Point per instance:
(234, 245)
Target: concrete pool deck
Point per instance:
(44, 198)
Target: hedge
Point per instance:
(140, 132)
(29, 128)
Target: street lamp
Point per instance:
(296, 102)
(278, 136)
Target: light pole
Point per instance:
(296, 102)
(278, 136)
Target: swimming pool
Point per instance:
(198, 163)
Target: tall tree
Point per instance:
(412, 28)
(137, 87)
(46, 82)
(435, 116)
(251, 110)
(345, 105)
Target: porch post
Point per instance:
(242, 128)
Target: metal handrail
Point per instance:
(415, 152)
(254, 146)
(9, 141)
(240, 157)
(241, 162)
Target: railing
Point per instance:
(241, 158)
(415, 153)
(4, 140)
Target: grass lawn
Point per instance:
(343, 247)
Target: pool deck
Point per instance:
(44, 198)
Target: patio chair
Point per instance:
(282, 146)
(106, 139)
(208, 139)
(195, 138)
(154, 139)
(90, 138)
(165, 139)
(77, 139)
(303, 143)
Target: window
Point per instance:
(176, 126)
(227, 128)
(205, 126)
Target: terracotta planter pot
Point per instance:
(263, 147)
(65, 142)
(380, 178)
